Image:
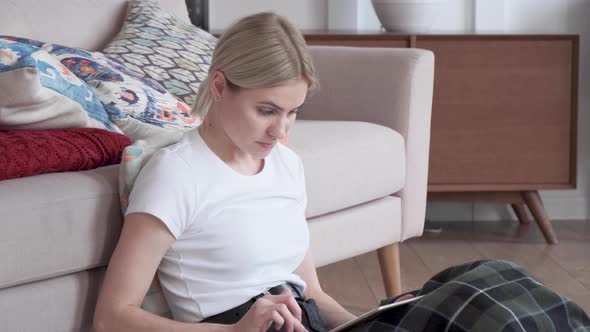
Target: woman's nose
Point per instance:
(279, 128)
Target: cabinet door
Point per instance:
(502, 114)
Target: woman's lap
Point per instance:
(483, 296)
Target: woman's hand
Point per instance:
(272, 309)
(405, 297)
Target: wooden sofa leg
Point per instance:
(390, 269)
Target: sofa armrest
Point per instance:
(387, 86)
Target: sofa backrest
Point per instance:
(88, 24)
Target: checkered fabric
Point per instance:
(485, 295)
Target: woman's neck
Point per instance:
(217, 140)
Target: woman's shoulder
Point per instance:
(184, 149)
(289, 158)
(285, 152)
(168, 161)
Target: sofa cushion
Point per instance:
(38, 92)
(123, 92)
(66, 222)
(58, 223)
(65, 303)
(158, 45)
(347, 163)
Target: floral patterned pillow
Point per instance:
(160, 46)
(38, 92)
(124, 93)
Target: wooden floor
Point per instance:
(356, 283)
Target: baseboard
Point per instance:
(448, 211)
(568, 206)
(574, 207)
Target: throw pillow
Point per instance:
(125, 93)
(158, 45)
(38, 92)
(31, 152)
(146, 140)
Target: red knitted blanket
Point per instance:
(31, 152)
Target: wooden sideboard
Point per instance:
(504, 114)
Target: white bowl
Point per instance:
(415, 16)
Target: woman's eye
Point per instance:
(265, 112)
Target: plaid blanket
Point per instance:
(485, 295)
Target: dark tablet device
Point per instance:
(375, 312)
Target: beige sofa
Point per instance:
(363, 139)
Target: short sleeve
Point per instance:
(302, 183)
(164, 189)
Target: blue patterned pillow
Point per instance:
(38, 92)
(125, 93)
(156, 44)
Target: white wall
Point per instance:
(503, 16)
(313, 14)
(456, 16)
(305, 14)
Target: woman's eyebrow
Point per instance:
(271, 104)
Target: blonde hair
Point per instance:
(260, 50)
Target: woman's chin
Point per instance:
(263, 154)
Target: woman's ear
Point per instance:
(218, 84)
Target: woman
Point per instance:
(220, 216)
(221, 213)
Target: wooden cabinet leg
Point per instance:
(390, 269)
(533, 201)
(520, 211)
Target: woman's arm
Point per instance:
(142, 244)
(332, 312)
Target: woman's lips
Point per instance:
(267, 146)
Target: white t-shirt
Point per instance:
(236, 235)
